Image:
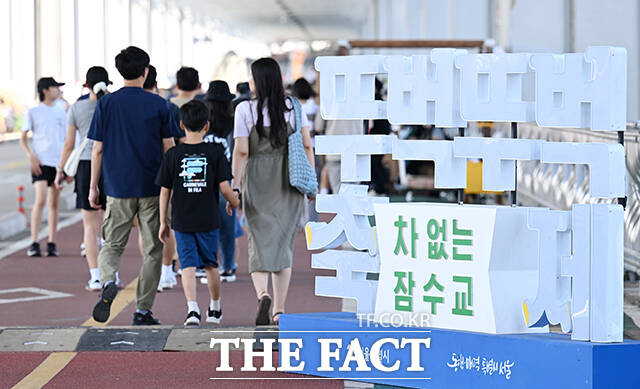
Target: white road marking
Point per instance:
(123, 342)
(43, 294)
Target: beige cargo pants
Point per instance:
(116, 228)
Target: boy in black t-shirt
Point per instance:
(194, 171)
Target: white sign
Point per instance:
(423, 89)
(468, 267)
(479, 268)
(450, 87)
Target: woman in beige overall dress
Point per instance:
(272, 207)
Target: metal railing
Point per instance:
(560, 186)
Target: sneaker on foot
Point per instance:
(93, 285)
(52, 251)
(83, 250)
(203, 280)
(162, 283)
(228, 276)
(214, 316)
(169, 280)
(172, 278)
(193, 319)
(103, 308)
(34, 250)
(144, 320)
(200, 273)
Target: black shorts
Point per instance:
(48, 174)
(83, 181)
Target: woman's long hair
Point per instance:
(269, 89)
(220, 117)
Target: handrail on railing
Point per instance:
(560, 186)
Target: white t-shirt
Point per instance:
(48, 126)
(310, 108)
(247, 115)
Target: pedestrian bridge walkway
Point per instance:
(48, 337)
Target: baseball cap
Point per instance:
(97, 74)
(47, 82)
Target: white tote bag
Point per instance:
(71, 166)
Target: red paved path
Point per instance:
(171, 370)
(68, 273)
(14, 366)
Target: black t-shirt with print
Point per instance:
(193, 172)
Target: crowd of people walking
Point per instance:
(179, 170)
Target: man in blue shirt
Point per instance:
(131, 129)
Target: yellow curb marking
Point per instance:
(57, 361)
(48, 369)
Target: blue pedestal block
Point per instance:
(461, 359)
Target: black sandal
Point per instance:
(273, 318)
(262, 316)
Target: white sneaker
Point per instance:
(179, 272)
(200, 273)
(228, 276)
(83, 250)
(193, 319)
(172, 278)
(214, 317)
(93, 286)
(165, 283)
(203, 280)
(159, 288)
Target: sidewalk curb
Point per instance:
(12, 224)
(13, 136)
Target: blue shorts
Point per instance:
(197, 249)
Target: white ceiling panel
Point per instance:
(277, 20)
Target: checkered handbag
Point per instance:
(302, 176)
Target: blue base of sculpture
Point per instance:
(461, 359)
